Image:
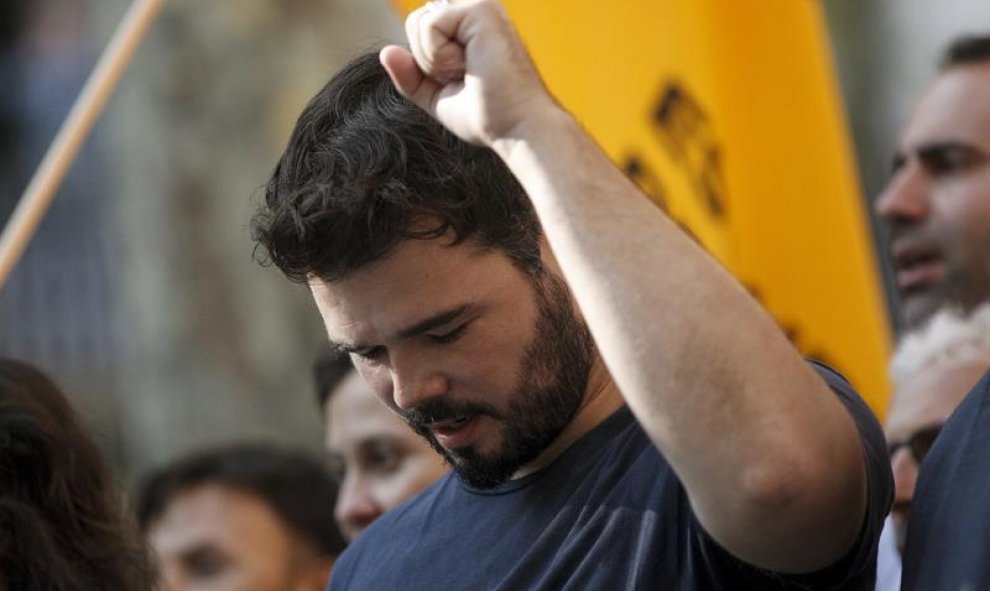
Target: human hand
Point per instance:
(467, 66)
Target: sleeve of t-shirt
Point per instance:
(341, 575)
(857, 569)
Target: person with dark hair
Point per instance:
(618, 411)
(380, 463)
(62, 527)
(937, 208)
(245, 517)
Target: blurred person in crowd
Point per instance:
(933, 368)
(379, 460)
(62, 527)
(619, 413)
(936, 205)
(250, 517)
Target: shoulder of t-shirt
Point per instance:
(859, 563)
(832, 377)
(984, 384)
(977, 397)
(880, 481)
(968, 418)
(866, 420)
(871, 433)
(385, 529)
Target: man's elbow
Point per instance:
(802, 514)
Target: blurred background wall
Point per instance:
(139, 293)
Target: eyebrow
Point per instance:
(437, 320)
(934, 150)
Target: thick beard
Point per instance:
(551, 385)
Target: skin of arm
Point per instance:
(769, 457)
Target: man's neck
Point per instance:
(601, 399)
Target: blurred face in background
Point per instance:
(920, 407)
(936, 205)
(212, 538)
(382, 461)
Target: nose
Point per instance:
(906, 198)
(905, 471)
(356, 507)
(415, 379)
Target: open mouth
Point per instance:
(451, 423)
(916, 268)
(456, 432)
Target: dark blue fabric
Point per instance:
(608, 514)
(948, 540)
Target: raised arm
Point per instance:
(771, 460)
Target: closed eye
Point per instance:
(370, 354)
(451, 336)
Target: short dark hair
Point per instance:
(62, 523)
(965, 51)
(366, 169)
(297, 487)
(329, 371)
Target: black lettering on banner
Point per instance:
(689, 137)
(649, 182)
(640, 173)
(794, 334)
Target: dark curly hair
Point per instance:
(62, 525)
(366, 169)
(297, 488)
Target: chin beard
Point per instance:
(533, 426)
(476, 469)
(551, 386)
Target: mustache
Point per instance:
(899, 231)
(423, 415)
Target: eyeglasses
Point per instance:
(919, 443)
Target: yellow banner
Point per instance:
(728, 114)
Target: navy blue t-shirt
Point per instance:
(607, 514)
(948, 539)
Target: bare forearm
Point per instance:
(769, 457)
(757, 438)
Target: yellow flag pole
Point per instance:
(62, 153)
